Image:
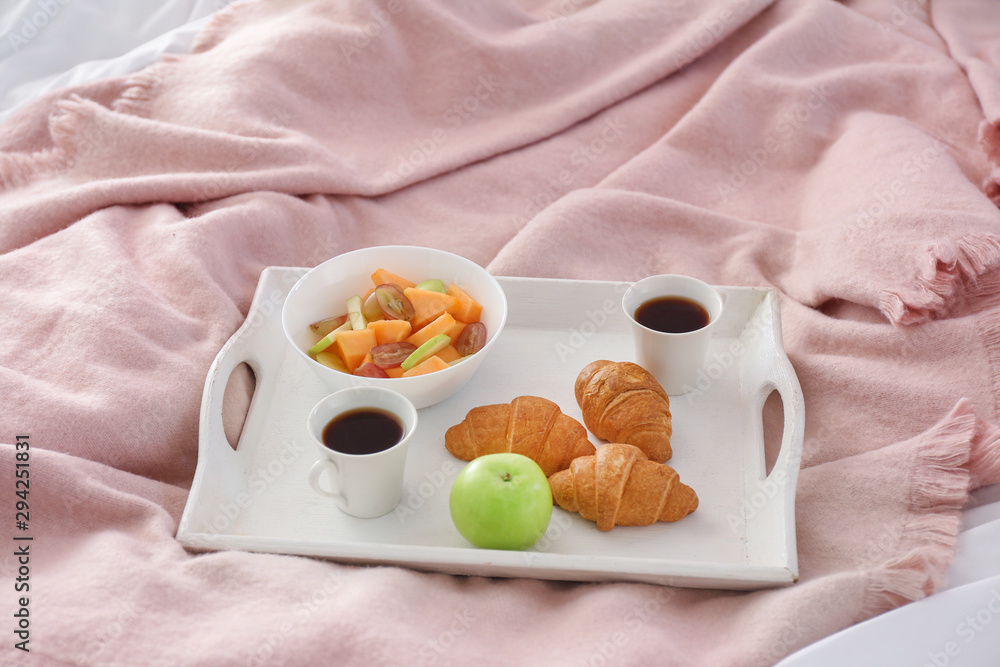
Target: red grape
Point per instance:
(472, 339)
(389, 355)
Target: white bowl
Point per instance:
(323, 291)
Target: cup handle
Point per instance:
(317, 470)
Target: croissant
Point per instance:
(528, 425)
(623, 402)
(618, 485)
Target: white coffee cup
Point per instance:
(362, 485)
(674, 359)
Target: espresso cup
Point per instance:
(362, 482)
(670, 341)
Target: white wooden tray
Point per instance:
(742, 536)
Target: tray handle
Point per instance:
(216, 385)
(780, 376)
(774, 492)
(260, 343)
(793, 408)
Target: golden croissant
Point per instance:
(619, 486)
(622, 402)
(528, 425)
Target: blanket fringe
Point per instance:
(71, 127)
(941, 489)
(140, 88)
(949, 267)
(67, 124)
(984, 460)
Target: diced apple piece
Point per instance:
(330, 358)
(428, 349)
(467, 309)
(442, 325)
(354, 314)
(433, 284)
(381, 277)
(353, 345)
(327, 340)
(427, 305)
(429, 365)
(390, 331)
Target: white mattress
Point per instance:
(49, 44)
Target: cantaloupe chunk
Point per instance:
(381, 277)
(428, 365)
(448, 354)
(441, 325)
(353, 345)
(390, 331)
(455, 331)
(427, 305)
(394, 372)
(467, 309)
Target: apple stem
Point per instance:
(505, 477)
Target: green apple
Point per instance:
(327, 340)
(501, 501)
(433, 285)
(431, 346)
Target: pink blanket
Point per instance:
(847, 154)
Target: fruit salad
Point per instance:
(400, 329)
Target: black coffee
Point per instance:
(362, 431)
(672, 314)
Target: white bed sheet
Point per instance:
(49, 44)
